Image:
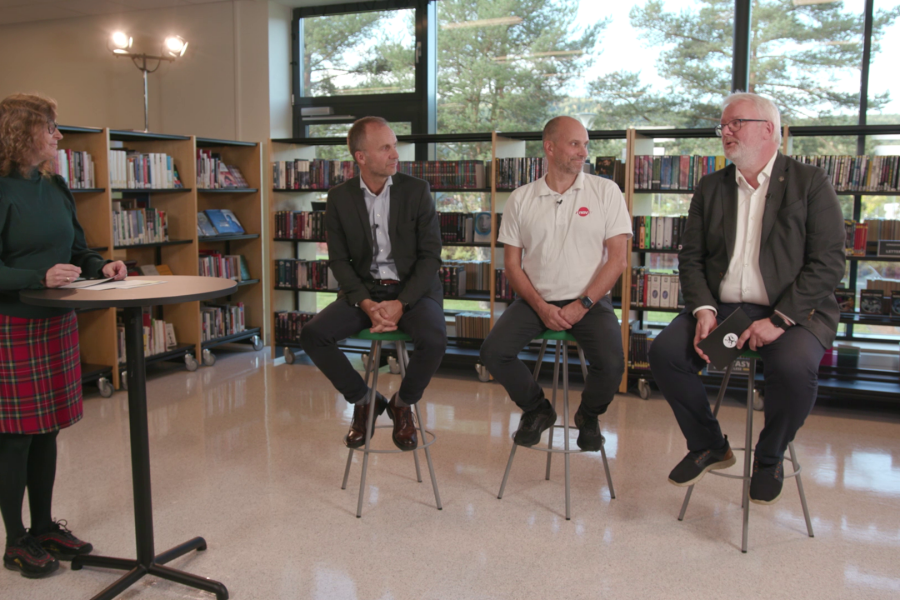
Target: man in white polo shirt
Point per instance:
(566, 237)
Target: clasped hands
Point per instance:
(384, 315)
(759, 333)
(62, 274)
(560, 319)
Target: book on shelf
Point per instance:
(148, 270)
(639, 348)
(478, 274)
(453, 278)
(472, 325)
(677, 172)
(856, 237)
(220, 320)
(171, 340)
(164, 270)
(289, 323)
(135, 170)
(503, 289)
(657, 233)
(895, 303)
(138, 226)
(227, 266)
(300, 225)
(158, 335)
(204, 226)
(224, 221)
(846, 299)
(871, 302)
(75, 167)
(316, 174)
(654, 289)
(457, 227)
(610, 167)
(446, 174)
(481, 226)
(516, 172)
(304, 274)
(213, 173)
(882, 229)
(858, 173)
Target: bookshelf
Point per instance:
(97, 328)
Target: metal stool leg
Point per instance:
(512, 454)
(565, 375)
(809, 528)
(403, 359)
(721, 394)
(404, 363)
(369, 364)
(745, 498)
(376, 351)
(584, 374)
(555, 387)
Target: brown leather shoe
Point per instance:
(404, 434)
(356, 437)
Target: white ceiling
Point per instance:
(24, 11)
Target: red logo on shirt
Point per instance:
(583, 211)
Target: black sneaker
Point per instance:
(533, 423)
(766, 482)
(62, 543)
(29, 557)
(589, 437)
(695, 465)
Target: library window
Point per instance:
(884, 89)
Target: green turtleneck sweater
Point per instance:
(38, 229)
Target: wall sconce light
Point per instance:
(172, 49)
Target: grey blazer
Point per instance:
(801, 255)
(413, 229)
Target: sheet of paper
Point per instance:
(125, 284)
(80, 283)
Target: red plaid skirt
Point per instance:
(40, 374)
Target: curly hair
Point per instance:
(21, 118)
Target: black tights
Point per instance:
(26, 461)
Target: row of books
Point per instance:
(316, 174)
(453, 279)
(447, 174)
(610, 167)
(288, 325)
(855, 237)
(300, 225)
(872, 301)
(473, 325)
(138, 226)
(217, 221)
(859, 173)
(213, 173)
(478, 274)
(657, 233)
(228, 266)
(502, 287)
(219, 320)
(516, 172)
(305, 274)
(882, 229)
(655, 290)
(136, 170)
(639, 349)
(680, 172)
(462, 227)
(159, 336)
(77, 168)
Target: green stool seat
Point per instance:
(559, 336)
(386, 336)
(748, 353)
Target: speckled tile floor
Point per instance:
(248, 454)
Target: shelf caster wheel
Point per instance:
(190, 363)
(643, 388)
(123, 380)
(257, 342)
(759, 400)
(209, 359)
(289, 356)
(105, 386)
(483, 374)
(393, 365)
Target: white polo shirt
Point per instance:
(564, 235)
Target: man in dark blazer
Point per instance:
(765, 234)
(384, 248)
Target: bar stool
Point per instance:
(426, 437)
(563, 339)
(748, 440)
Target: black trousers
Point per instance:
(791, 381)
(598, 334)
(423, 322)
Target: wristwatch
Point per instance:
(777, 321)
(586, 302)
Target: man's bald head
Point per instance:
(558, 125)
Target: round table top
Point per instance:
(174, 289)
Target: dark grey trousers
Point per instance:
(791, 382)
(598, 334)
(423, 322)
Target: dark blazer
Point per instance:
(801, 254)
(413, 229)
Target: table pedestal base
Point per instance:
(136, 570)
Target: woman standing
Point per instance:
(41, 245)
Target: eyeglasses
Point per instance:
(736, 124)
(52, 127)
